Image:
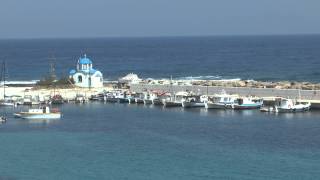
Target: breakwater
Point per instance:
(268, 93)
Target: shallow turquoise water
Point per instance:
(118, 141)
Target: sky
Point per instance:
(144, 18)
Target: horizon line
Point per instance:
(158, 36)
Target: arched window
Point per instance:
(80, 79)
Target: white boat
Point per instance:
(220, 101)
(194, 101)
(116, 96)
(148, 97)
(158, 100)
(109, 97)
(138, 98)
(175, 100)
(131, 99)
(40, 113)
(154, 98)
(142, 98)
(80, 99)
(3, 119)
(283, 105)
(246, 103)
(29, 100)
(120, 96)
(7, 103)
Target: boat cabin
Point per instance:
(41, 110)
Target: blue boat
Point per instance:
(247, 103)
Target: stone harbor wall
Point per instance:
(244, 91)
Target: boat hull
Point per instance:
(292, 110)
(192, 104)
(39, 116)
(215, 106)
(131, 100)
(243, 107)
(111, 99)
(123, 100)
(157, 102)
(147, 101)
(172, 104)
(6, 104)
(138, 100)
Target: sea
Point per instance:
(264, 58)
(128, 141)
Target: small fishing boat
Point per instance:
(40, 113)
(97, 97)
(175, 100)
(158, 100)
(80, 99)
(246, 103)
(220, 101)
(3, 119)
(121, 97)
(6, 101)
(130, 98)
(149, 97)
(57, 99)
(283, 105)
(138, 98)
(29, 100)
(109, 97)
(194, 101)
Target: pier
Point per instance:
(268, 94)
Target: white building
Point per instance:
(85, 75)
(131, 79)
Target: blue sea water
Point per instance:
(268, 58)
(121, 141)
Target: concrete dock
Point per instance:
(270, 94)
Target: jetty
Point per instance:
(267, 94)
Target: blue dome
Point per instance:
(92, 71)
(72, 72)
(85, 60)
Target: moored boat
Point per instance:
(283, 105)
(246, 103)
(80, 99)
(220, 101)
(158, 101)
(3, 119)
(57, 99)
(138, 98)
(41, 113)
(175, 100)
(6, 101)
(194, 101)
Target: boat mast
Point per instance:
(171, 89)
(4, 79)
(300, 93)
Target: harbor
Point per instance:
(85, 83)
(98, 116)
(159, 90)
(131, 90)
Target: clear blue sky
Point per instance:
(109, 18)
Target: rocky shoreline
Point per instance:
(243, 83)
